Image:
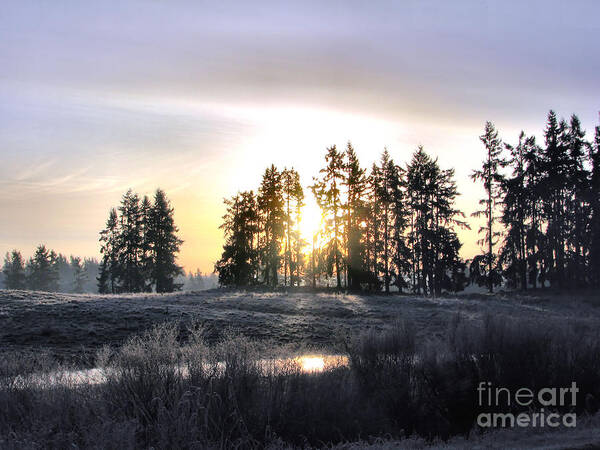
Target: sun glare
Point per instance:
(310, 223)
(312, 363)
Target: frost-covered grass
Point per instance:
(400, 388)
(72, 327)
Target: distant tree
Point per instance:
(79, 274)
(41, 274)
(91, 268)
(163, 244)
(326, 190)
(110, 268)
(490, 176)
(238, 265)
(14, 271)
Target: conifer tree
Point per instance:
(490, 176)
(356, 186)
(293, 196)
(238, 265)
(41, 274)
(594, 264)
(14, 271)
(110, 268)
(79, 275)
(162, 244)
(271, 209)
(130, 241)
(326, 190)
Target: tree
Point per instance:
(131, 274)
(42, 276)
(110, 268)
(79, 275)
(356, 186)
(293, 196)
(326, 190)
(433, 242)
(490, 176)
(238, 265)
(517, 196)
(555, 169)
(595, 213)
(272, 215)
(14, 271)
(162, 244)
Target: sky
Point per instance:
(197, 98)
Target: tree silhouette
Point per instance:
(14, 271)
(326, 190)
(238, 265)
(490, 176)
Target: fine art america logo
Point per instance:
(542, 406)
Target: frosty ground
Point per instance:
(72, 327)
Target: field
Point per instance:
(187, 370)
(72, 327)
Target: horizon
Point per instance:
(198, 101)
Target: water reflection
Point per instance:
(309, 363)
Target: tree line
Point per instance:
(393, 226)
(541, 209)
(49, 271)
(139, 246)
(396, 225)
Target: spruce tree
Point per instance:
(14, 271)
(293, 196)
(163, 244)
(356, 186)
(79, 275)
(490, 176)
(326, 190)
(110, 268)
(271, 209)
(238, 265)
(594, 265)
(41, 274)
(130, 241)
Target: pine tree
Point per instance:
(79, 275)
(356, 186)
(163, 244)
(293, 196)
(271, 209)
(326, 190)
(516, 199)
(146, 259)
(130, 241)
(594, 192)
(490, 176)
(110, 267)
(41, 275)
(555, 169)
(433, 242)
(14, 271)
(238, 265)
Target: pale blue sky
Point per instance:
(197, 97)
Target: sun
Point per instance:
(312, 363)
(310, 221)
